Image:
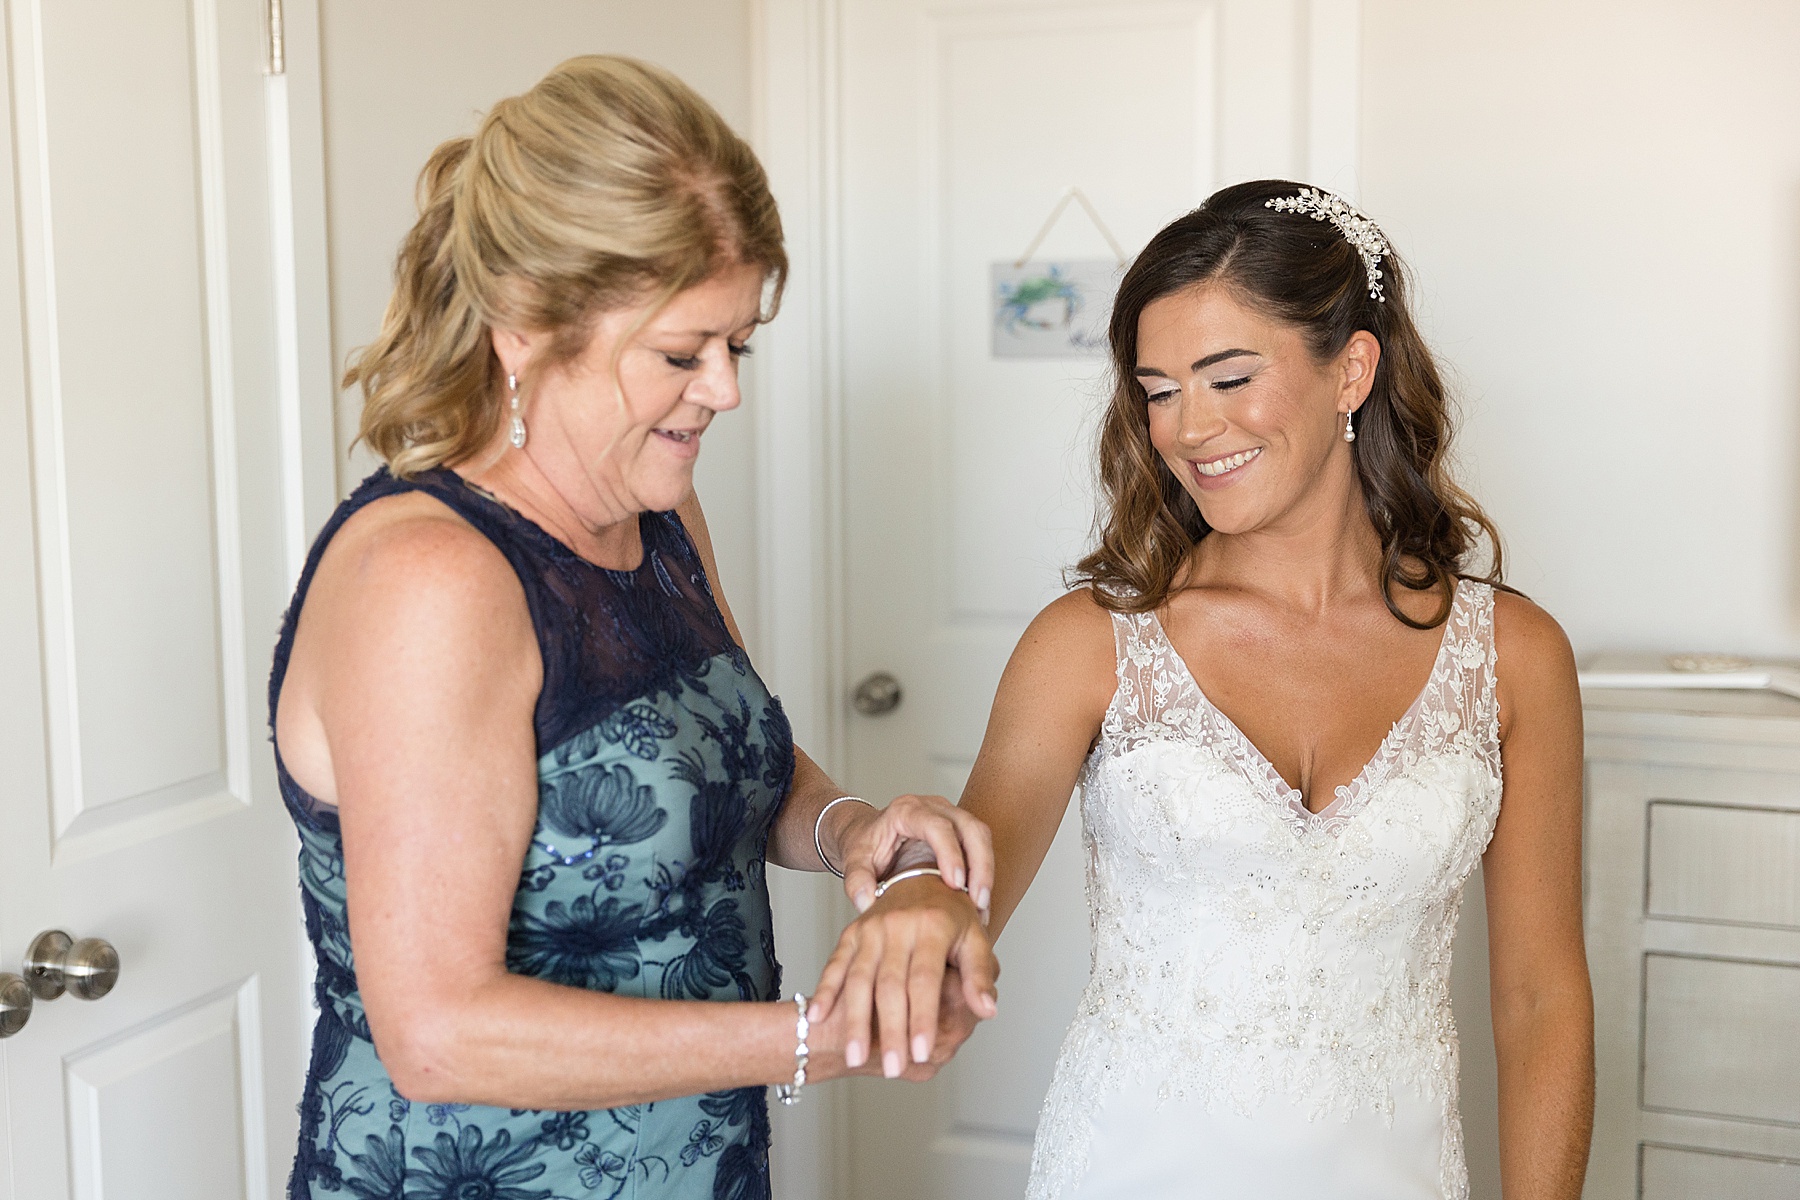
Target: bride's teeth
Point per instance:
(1230, 463)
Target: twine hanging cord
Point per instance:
(1087, 206)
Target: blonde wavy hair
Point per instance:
(610, 183)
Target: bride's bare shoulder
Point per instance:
(1071, 640)
(1535, 665)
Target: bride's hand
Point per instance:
(871, 843)
(892, 963)
(954, 1025)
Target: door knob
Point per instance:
(15, 1004)
(86, 969)
(879, 693)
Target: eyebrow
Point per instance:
(1201, 365)
(706, 334)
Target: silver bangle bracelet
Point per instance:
(910, 873)
(789, 1093)
(819, 824)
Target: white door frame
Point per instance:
(296, 139)
(799, 413)
(799, 500)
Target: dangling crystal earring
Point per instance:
(516, 431)
(1349, 429)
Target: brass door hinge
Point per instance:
(277, 64)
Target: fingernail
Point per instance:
(854, 1056)
(812, 1012)
(961, 881)
(890, 1064)
(985, 916)
(993, 1004)
(921, 1048)
(863, 900)
(982, 901)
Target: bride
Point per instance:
(1298, 717)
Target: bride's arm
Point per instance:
(1046, 715)
(1542, 1002)
(861, 840)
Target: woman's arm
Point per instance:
(928, 936)
(422, 671)
(862, 841)
(1046, 714)
(1542, 1003)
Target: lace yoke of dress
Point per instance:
(1245, 947)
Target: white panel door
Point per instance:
(149, 504)
(968, 478)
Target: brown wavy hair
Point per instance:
(1305, 273)
(608, 184)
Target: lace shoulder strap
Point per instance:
(1150, 696)
(1468, 690)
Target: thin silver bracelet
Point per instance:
(789, 1093)
(910, 873)
(819, 823)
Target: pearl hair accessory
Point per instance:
(1357, 229)
(516, 431)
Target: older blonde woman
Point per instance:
(535, 776)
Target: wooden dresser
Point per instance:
(1693, 935)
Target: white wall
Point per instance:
(400, 77)
(1602, 203)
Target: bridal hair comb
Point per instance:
(1357, 229)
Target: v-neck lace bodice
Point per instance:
(1247, 950)
(1280, 790)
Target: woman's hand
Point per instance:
(955, 1022)
(895, 961)
(869, 843)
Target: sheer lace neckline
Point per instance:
(555, 545)
(1347, 796)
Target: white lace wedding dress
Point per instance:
(1268, 1013)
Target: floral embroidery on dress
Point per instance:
(1244, 947)
(662, 762)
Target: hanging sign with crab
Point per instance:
(1052, 309)
(1059, 308)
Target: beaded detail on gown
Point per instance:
(1263, 971)
(661, 762)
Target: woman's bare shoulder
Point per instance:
(1073, 622)
(411, 538)
(1535, 664)
(408, 561)
(1068, 650)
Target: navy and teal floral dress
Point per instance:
(661, 762)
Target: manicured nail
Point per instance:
(854, 1055)
(993, 1003)
(890, 1064)
(814, 1012)
(982, 900)
(921, 1048)
(958, 881)
(864, 898)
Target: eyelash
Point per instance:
(692, 362)
(1222, 385)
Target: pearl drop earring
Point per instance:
(516, 431)
(1349, 429)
